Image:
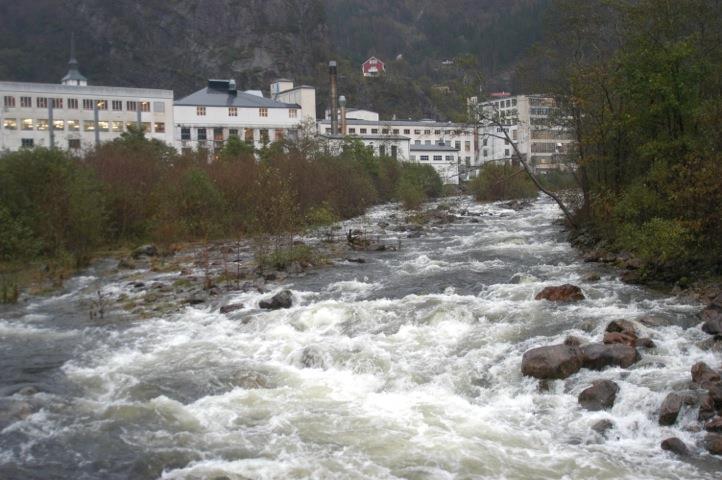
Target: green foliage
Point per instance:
(281, 258)
(235, 149)
(657, 241)
(501, 182)
(417, 183)
(321, 216)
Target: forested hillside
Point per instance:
(178, 44)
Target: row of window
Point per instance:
(218, 134)
(73, 143)
(485, 152)
(74, 125)
(233, 112)
(87, 103)
(437, 158)
(396, 131)
(511, 102)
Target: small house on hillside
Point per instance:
(373, 67)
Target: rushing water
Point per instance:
(407, 366)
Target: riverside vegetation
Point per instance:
(57, 211)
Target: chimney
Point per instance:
(334, 108)
(342, 103)
(232, 87)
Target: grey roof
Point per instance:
(408, 123)
(432, 148)
(208, 97)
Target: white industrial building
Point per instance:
(534, 125)
(394, 146)
(207, 118)
(444, 158)
(76, 116)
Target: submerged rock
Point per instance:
(591, 277)
(551, 362)
(597, 356)
(355, 260)
(602, 426)
(600, 396)
(231, 307)
(644, 343)
(283, 299)
(675, 445)
(561, 293)
(703, 374)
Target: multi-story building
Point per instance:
(534, 123)
(76, 116)
(207, 118)
(444, 158)
(394, 146)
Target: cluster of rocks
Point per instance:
(704, 393)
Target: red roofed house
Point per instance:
(372, 67)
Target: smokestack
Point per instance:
(334, 108)
(342, 104)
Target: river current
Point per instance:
(406, 366)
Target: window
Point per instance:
(9, 102)
(264, 135)
(437, 132)
(385, 131)
(27, 123)
(396, 131)
(292, 113)
(449, 158)
(417, 142)
(513, 102)
(467, 146)
(201, 111)
(74, 144)
(131, 106)
(218, 134)
(382, 150)
(42, 124)
(485, 152)
(485, 141)
(73, 125)
(27, 143)
(201, 133)
(26, 102)
(117, 105)
(438, 158)
(88, 126)
(427, 142)
(457, 145)
(263, 112)
(374, 130)
(116, 126)
(363, 130)
(351, 130)
(506, 142)
(232, 132)
(407, 131)
(145, 127)
(73, 103)
(102, 104)
(185, 133)
(87, 104)
(424, 158)
(328, 130)
(232, 111)
(145, 107)
(394, 151)
(58, 124)
(417, 132)
(506, 152)
(159, 127)
(41, 102)
(278, 134)
(10, 124)
(159, 107)
(56, 102)
(427, 132)
(248, 136)
(103, 126)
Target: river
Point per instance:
(406, 366)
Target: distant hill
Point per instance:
(178, 44)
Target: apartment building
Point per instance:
(76, 116)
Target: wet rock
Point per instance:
(231, 307)
(703, 374)
(676, 446)
(588, 325)
(602, 426)
(138, 284)
(148, 250)
(312, 358)
(600, 396)
(474, 220)
(127, 264)
(591, 277)
(706, 408)
(573, 341)
(597, 356)
(355, 260)
(713, 344)
(669, 411)
(619, 338)
(653, 321)
(294, 268)
(621, 326)
(383, 224)
(644, 343)
(251, 380)
(561, 293)
(714, 425)
(712, 318)
(196, 299)
(713, 443)
(631, 277)
(550, 362)
(379, 248)
(27, 391)
(715, 392)
(414, 235)
(283, 299)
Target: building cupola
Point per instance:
(74, 77)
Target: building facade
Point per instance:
(444, 158)
(394, 146)
(373, 67)
(207, 118)
(75, 116)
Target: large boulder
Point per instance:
(597, 356)
(551, 362)
(704, 375)
(599, 396)
(148, 250)
(283, 299)
(670, 408)
(620, 338)
(561, 293)
(712, 318)
(675, 445)
(706, 408)
(713, 443)
(714, 425)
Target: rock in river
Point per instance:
(675, 445)
(283, 299)
(597, 356)
(599, 396)
(713, 443)
(703, 374)
(561, 293)
(550, 362)
(668, 412)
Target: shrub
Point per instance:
(501, 182)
